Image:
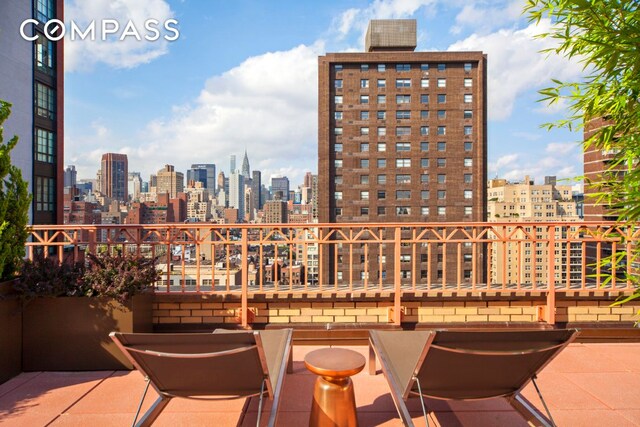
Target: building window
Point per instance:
(468, 162)
(337, 83)
(468, 130)
(364, 146)
(424, 130)
(442, 146)
(364, 211)
(424, 163)
(442, 130)
(403, 210)
(441, 162)
(442, 114)
(382, 210)
(337, 115)
(337, 179)
(424, 98)
(337, 148)
(403, 179)
(45, 10)
(381, 115)
(382, 83)
(424, 146)
(45, 101)
(382, 99)
(364, 99)
(364, 179)
(424, 194)
(403, 99)
(382, 131)
(364, 131)
(442, 67)
(424, 114)
(364, 67)
(382, 68)
(442, 194)
(403, 130)
(467, 67)
(364, 195)
(403, 67)
(45, 194)
(403, 146)
(424, 210)
(381, 179)
(364, 83)
(403, 163)
(382, 146)
(45, 146)
(403, 114)
(468, 194)
(442, 210)
(337, 131)
(468, 82)
(468, 98)
(468, 210)
(442, 178)
(424, 67)
(424, 178)
(442, 98)
(364, 163)
(337, 99)
(338, 211)
(382, 194)
(403, 194)
(44, 50)
(468, 178)
(337, 163)
(337, 67)
(382, 163)
(338, 195)
(364, 115)
(424, 83)
(468, 114)
(400, 83)
(442, 82)
(468, 146)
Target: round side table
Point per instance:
(334, 403)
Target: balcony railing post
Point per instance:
(397, 298)
(551, 287)
(245, 279)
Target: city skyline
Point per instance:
(268, 80)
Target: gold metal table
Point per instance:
(334, 403)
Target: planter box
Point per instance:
(72, 334)
(10, 333)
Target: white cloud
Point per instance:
(561, 148)
(267, 104)
(557, 161)
(515, 64)
(482, 18)
(129, 53)
(555, 108)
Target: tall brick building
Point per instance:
(401, 134)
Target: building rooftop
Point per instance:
(587, 384)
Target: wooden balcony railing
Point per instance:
(428, 258)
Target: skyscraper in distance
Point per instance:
(246, 170)
(204, 173)
(114, 176)
(280, 185)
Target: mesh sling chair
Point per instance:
(205, 365)
(466, 365)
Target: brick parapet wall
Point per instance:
(376, 308)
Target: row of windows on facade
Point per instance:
(404, 274)
(44, 10)
(406, 194)
(402, 114)
(381, 179)
(45, 190)
(441, 146)
(406, 130)
(406, 258)
(403, 83)
(405, 163)
(400, 67)
(404, 99)
(406, 210)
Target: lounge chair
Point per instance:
(466, 365)
(206, 365)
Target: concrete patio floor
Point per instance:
(587, 384)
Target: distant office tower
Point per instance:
(114, 176)
(514, 261)
(232, 163)
(32, 80)
(135, 185)
(236, 193)
(204, 173)
(246, 170)
(280, 186)
(70, 177)
(402, 138)
(169, 181)
(256, 189)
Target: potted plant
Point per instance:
(14, 217)
(69, 310)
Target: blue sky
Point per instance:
(243, 75)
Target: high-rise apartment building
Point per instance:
(32, 80)
(402, 136)
(515, 262)
(232, 163)
(280, 186)
(134, 186)
(236, 194)
(256, 189)
(114, 176)
(204, 173)
(70, 176)
(168, 180)
(276, 212)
